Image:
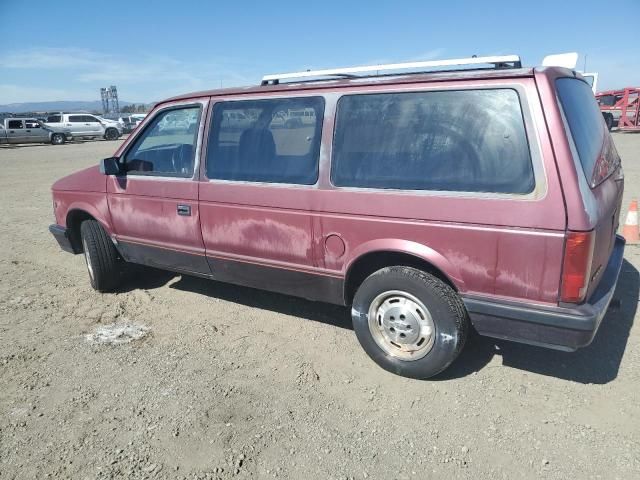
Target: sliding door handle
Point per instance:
(184, 210)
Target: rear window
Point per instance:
(465, 140)
(586, 123)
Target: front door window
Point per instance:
(167, 147)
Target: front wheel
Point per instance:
(57, 139)
(409, 322)
(111, 134)
(101, 256)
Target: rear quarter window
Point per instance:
(586, 126)
(463, 140)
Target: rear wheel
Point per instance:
(101, 256)
(57, 139)
(111, 134)
(409, 322)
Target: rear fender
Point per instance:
(410, 248)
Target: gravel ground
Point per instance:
(178, 377)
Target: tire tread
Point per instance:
(105, 257)
(449, 300)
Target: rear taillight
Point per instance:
(576, 267)
(606, 163)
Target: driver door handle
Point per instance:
(184, 210)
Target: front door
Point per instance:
(154, 204)
(94, 125)
(34, 132)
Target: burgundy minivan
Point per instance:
(428, 202)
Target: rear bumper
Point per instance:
(61, 234)
(562, 328)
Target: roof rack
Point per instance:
(503, 61)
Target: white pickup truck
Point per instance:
(31, 130)
(85, 125)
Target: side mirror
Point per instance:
(110, 166)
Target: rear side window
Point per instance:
(54, 119)
(266, 140)
(76, 118)
(15, 124)
(465, 140)
(586, 126)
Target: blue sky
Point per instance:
(152, 50)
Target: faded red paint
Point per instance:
(503, 247)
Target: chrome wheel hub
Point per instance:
(87, 257)
(401, 325)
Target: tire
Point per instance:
(101, 256)
(409, 303)
(111, 134)
(608, 119)
(57, 139)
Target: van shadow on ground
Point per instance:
(598, 363)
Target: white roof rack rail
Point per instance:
(502, 61)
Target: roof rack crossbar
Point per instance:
(502, 61)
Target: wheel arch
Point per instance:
(384, 253)
(75, 216)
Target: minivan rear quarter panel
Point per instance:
(497, 245)
(588, 208)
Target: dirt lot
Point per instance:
(231, 382)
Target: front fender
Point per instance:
(93, 203)
(414, 249)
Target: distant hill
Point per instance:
(62, 106)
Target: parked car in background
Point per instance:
(118, 124)
(129, 123)
(84, 125)
(31, 130)
(427, 202)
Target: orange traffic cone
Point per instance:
(630, 230)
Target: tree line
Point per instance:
(135, 108)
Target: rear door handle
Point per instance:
(184, 210)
